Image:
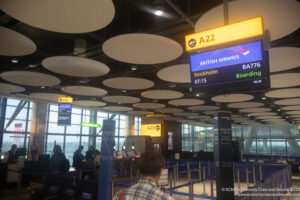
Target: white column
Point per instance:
(38, 129)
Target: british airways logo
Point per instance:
(243, 51)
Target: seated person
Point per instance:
(150, 165)
(58, 161)
(12, 156)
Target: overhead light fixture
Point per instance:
(133, 68)
(124, 91)
(159, 8)
(278, 110)
(264, 98)
(197, 94)
(43, 87)
(14, 60)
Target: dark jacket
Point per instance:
(59, 163)
(12, 157)
(90, 155)
(77, 159)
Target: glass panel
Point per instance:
(122, 132)
(278, 147)
(12, 102)
(10, 110)
(54, 107)
(10, 139)
(263, 147)
(75, 119)
(53, 116)
(121, 143)
(76, 110)
(73, 129)
(85, 130)
(53, 128)
(16, 125)
(122, 124)
(98, 143)
(51, 139)
(72, 144)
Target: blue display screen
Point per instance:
(234, 55)
(65, 106)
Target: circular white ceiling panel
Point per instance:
(117, 108)
(274, 120)
(186, 102)
(268, 117)
(231, 98)
(203, 108)
(173, 118)
(128, 83)
(291, 107)
(14, 43)
(284, 93)
(176, 73)
(284, 58)
(162, 94)
(121, 99)
(185, 114)
(67, 16)
(169, 110)
(288, 102)
(198, 117)
(6, 88)
(139, 48)
(30, 78)
(243, 9)
(245, 105)
(254, 110)
(297, 112)
(86, 103)
(139, 112)
(148, 105)
(75, 66)
(262, 114)
(84, 90)
(295, 116)
(285, 80)
(47, 96)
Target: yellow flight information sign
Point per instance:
(153, 130)
(65, 100)
(228, 33)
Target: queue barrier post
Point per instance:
(204, 176)
(191, 191)
(247, 177)
(238, 177)
(260, 173)
(254, 174)
(200, 176)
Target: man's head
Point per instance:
(13, 147)
(80, 148)
(151, 164)
(92, 148)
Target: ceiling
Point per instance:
(136, 17)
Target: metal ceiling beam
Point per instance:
(180, 12)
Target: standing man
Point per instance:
(77, 158)
(150, 165)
